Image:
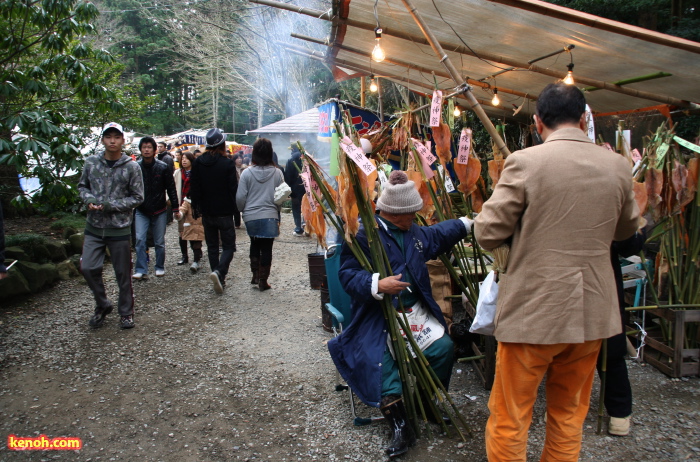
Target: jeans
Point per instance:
(213, 227)
(296, 214)
(157, 224)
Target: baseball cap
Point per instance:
(113, 125)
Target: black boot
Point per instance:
(254, 268)
(402, 436)
(183, 249)
(263, 274)
(183, 260)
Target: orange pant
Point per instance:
(520, 367)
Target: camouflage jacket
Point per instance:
(119, 189)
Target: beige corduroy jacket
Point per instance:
(562, 203)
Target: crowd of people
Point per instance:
(558, 299)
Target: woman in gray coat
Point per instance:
(255, 199)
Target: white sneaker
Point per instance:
(139, 276)
(194, 268)
(160, 273)
(619, 426)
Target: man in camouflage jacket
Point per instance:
(112, 186)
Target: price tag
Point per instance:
(660, 154)
(687, 144)
(424, 152)
(383, 180)
(589, 124)
(465, 146)
(357, 155)
(449, 186)
(306, 179)
(436, 109)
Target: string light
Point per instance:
(457, 112)
(569, 79)
(372, 84)
(378, 53)
(496, 100)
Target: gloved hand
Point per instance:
(468, 223)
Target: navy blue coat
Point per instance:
(358, 351)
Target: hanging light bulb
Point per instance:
(569, 79)
(457, 112)
(377, 53)
(496, 100)
(372, 84)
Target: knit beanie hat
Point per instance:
(400, 195)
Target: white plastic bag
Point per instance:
(282, 193)
(486, 306)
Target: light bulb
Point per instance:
(496, 100)
(373, 85)
(457, 112)
(569, 79)
(377, 53)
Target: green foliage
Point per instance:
(656, 15)
(34, 245)
(67, 220)
(54, 85)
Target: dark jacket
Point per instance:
(358, 351)
(292, 176)
(2, 243)
(168, 159)
(213, 186)
(157, 179)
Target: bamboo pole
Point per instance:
(457, 77)
(387, 31)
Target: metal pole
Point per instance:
(458, 79)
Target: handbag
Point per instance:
(486, 306)
(282, 193)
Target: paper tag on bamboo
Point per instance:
(449, 186)
(465, 146)
(636, 155)
(357, 155)
(687, 144)
(306, 179)
(424, 152)
(436, 109)
(383, 180)
(660, 154)
(589, 123)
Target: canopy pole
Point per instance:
(457, 77)
(390, 60)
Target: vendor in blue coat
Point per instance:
(361, 352)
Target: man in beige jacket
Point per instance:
(559, 206)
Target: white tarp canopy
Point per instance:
(483, 37)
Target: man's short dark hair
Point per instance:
(560, 103)
(262, 152)
(162, 143)
(148, 139)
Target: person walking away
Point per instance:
(182, 178)
(213, 192)
(238, 160)
(3, 268)
(560, 205)
(192, 231)
(292, 176)
(112, 187)
(151, 214)
(255, 198)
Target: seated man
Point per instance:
(361, 353)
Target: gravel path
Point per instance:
(246, 376)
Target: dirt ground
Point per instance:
(247, 376)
